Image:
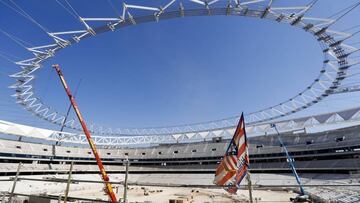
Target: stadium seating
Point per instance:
(333, 150)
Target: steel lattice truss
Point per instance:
(310, 124)
(336, 60)
(340, 119)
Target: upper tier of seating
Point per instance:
(260, 145)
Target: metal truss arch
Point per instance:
(334, 70)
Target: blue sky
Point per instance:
(172, 72)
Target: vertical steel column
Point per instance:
(15, 181)
(104, 175)
(3, 197)
(126, 180)
(68, 182)
(248, 178)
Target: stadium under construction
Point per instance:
(328, 160)
(279, 156)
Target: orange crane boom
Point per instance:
(104, 175)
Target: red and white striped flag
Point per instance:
(234, 165)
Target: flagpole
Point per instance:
(248, 176)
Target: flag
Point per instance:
(233, 167)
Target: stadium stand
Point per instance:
(330, 151)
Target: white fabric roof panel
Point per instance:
(23, 130)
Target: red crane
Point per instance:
(104, 175)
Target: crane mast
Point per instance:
(104, 175)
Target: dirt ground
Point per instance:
(193, 195)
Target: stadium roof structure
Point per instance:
(310, 124)
(335, 68)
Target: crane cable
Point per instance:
(23, 13)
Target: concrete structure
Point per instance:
(329, 151)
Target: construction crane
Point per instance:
(105, 177)
(303, 197)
